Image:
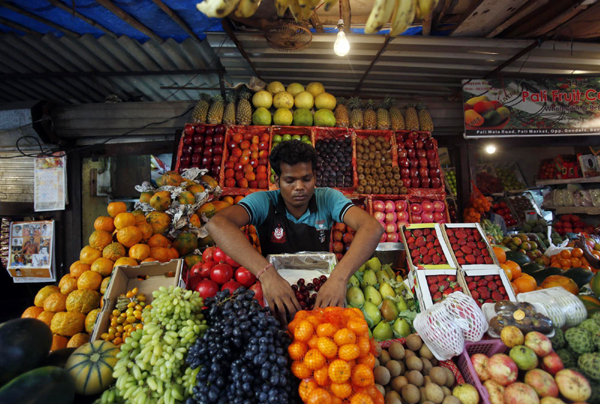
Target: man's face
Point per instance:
(297, 184)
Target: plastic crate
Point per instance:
(463, 362)
(338, 133)
(389, 137)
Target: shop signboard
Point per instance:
(540, 107)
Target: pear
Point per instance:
(401, 328)
(382, 277)
(362, 267)
(372, 295)
(401, 304)
(386, 290)
(355, 296)
(374, 264)
(369, 278)
(389, 311)
(389, 271)
(353, 281)
(383, 332)
(372, 314)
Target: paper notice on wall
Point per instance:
(31, 252)
(50, 178)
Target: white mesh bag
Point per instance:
(467, 315)
(563, 307)
(441, 334)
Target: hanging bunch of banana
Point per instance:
(222, 8)
(401, 13)
(300, 9)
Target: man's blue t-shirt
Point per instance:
(280, 232)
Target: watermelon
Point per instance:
(48, 385)
(517, 257)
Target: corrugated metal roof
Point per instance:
(29, 55)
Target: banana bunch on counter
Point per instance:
(401, 14)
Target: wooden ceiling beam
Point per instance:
(559, 20)
(589, 18)
(463, 18)
(231, 34)
(346, 14)
(129, 20)
(19, 27)
(427, 24)
(521, 13)
(62, 6)
(168, 11)
(316, 23)
(38, 19)
(442, 14)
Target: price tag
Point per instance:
(519, 315)
(530, 215)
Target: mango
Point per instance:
(492, 118)
(473, 119)
(504, 112)
(475, 100)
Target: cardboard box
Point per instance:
(124, 278)
(440, 237)
(484, 272)
(419, 278)
(495, 265)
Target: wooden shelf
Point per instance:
(592, 180)
(569, 210)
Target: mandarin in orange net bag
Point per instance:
(333, 357)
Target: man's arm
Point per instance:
(368, 234)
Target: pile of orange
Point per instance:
(334, 357)
(571, 259)
(519, 281)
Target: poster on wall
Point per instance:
(531, 107)
(31, 251)
(50, 183)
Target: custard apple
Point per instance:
(580, 340)
(597, 342)
(596, 317)
(595, 397)
(569, 360)
(558, 341)
(591, 325)
(590, 364)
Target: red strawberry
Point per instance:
(496, 277)
(426, 232)
(433, 288)
(478, 237)
(431, 280)
(420, 242)
(475, 294)
(488, 260)
(416, 261)
(452, 240)
(489, 278)
(482, 282)
(502, 290)
(480, 245)
(489, 301)
(468, 278)
(450, 232)
(430, 238)
(441, 278)
(436, 243)
(427, 260)
(423, 250)
(484, 293)
(443, 285)
(462, 241)
(480, 260)
(455, 247)
(414, 253)
(410, 240)
(477, 278)
(461, 261)
(477, 253)
(472, 285)
(437, 297)
(436, 259)
(418, 233)
(492, 286)
(412, 246)
(470, 259)
(447, 292)
(429, 245)
(407, 234)
(472, 244)
(460, 234)
(497, 296)
(457, 289)
(439, 250)
(452, 278)
(459, 254)
(470, 239)
(499, 282)
(466, 249)
(479, 303)
(485, 253)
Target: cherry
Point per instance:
(310, 286)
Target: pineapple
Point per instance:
(341, 114)
(425, 122)
(370, 116)
(201, 109)
(229, 115)
(215, 113)
(396, 117)
(356, 113)
(383, 116)
(412, 119)
(243, 112)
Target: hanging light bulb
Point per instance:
(490, 149)
(341, 46)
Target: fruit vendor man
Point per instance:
(297, 217)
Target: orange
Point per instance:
(228, 199)
(46, 317)
(359, 326)
(129, 236)
(114, 208)
(32, 312)
(566, 254)
(321, 377)
(362, 375)
(565, 263)
(140, 217)
(304, 331)
(500, 254)
(104, 223)
(577, 252)
(297, 349)
(349, 352)
(150, 260)
(326, 330)
(344, 336)
(89, 280)
(361, 398)
(67, 284)
(306, 387)
(300, 370)
(368, 360)
(525, 284)
(78, 340)
(341, 390)
(507, 271)
(104, 284)
(146, 229)
(314, 359)
(514, 268)
(55, 302)
(125, 261)
(88, 255)
(339, 371)
(139, 252)
(576, 262)
(313, 342)
(238, 198)
(161, 254)
(515, 288)
(173, 254)
(319, 396)
(114, 251)
(125, 219)
(327, 347)
(58, 342)
(364, 345)
(100, 239)
(103, 266)
(158, 240)
(314, 320)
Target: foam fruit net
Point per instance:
(446, 325)
(333, 357)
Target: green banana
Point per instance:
(403, 17)
(380, 15)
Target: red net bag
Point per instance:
(478, 204)
(333, 357)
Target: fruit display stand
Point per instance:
(428, 210)
(418, 152)
(292, 131)
(467, 251)
(384, 170)
(511, 176)
(193, 151)
(146, 277)
(522, 203)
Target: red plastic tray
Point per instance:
(389, 136)
(180, 146)
(336, 133)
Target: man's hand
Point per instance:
(332, 292)
(280, 296)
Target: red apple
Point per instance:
(425, 182)
(217, 159)
(402, 153)
(539, 343)
(392, 238)
(415, 183)
(434, 172)
(215, 170)
(253, 184)
(402, 216)
(219, 129)
(201, 129)
(416, 208)
(383, 238)
(390, 206)
(196, 159)
(552, 363)
(379, 216)
(423, 172)
(414, 162)
(520, 393)
(416, 218)
(427, 206)
(390, 217)
(439, 206)
(231, 145)
(391, 228)
(218, 149)
(436, 182)
(409, 143)
(337, 247)
(435, 163)
(503, 370)
(337, 235)
(419, 144)
(208, 151)
(423, 162)
(414, 172)
(431, 155)
(439, 217)
(405, 172)
(410, 153)
(218, 139)
(403, 162)
(189, 130)
(199, 148)
(480, 362)
(427, 217)
(429, 144)
(348, 237)
(185, 159)
(210, 130)
(420, 153)
(542, 382)
(400, 206)
(406, 181)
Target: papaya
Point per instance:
(591, 304)
(220, 205)
(544, 273)
(48, 385)
(559, 280)
(171, 178)
(208, 209)
(595, 284)
(209, 181)
(24, 343)
(581, 276)
(517, 257)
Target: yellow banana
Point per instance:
(307, 12)
(404, 15)
(329, 3)
(247, 8)
(426, 7)
(304, 3)
(380, 15)
(217, 8)
(296, 10)
(281, 6)
(314, 4)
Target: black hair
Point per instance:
(292, 152)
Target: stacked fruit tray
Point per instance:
(487, 285)
(426, 247)
(419, 162)
(377, 163)
(433, 286)
(336, 165)
(470, 247)
(201, 146)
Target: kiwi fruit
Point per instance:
(414, 342)
(360, 169)
(384, 357)
(438, 376)
(450, 380)
(386, 183)
(397, 177)
(389, 190)
(399, 382)
(414, 363)
(411, 394)
(376, 363)
(382, 375)
(423, 393)
(377, 165)
(408, 354)
(380, 388)
(360, 189)
(392, 397)
(362, 182)
(396, 350)
(426, 366)
(368, 189)
(396, 169)
(451, 400)
(386, 145)
(372, 148)
(372, 139)
(394, 367)
(434, 393)
(415, 377)
(425, 352)
(403, 190)
(447, 391)
(380, 170)
(395, 190)
(426, 380)
(375, 189)
(378, 145)
(434, 361)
